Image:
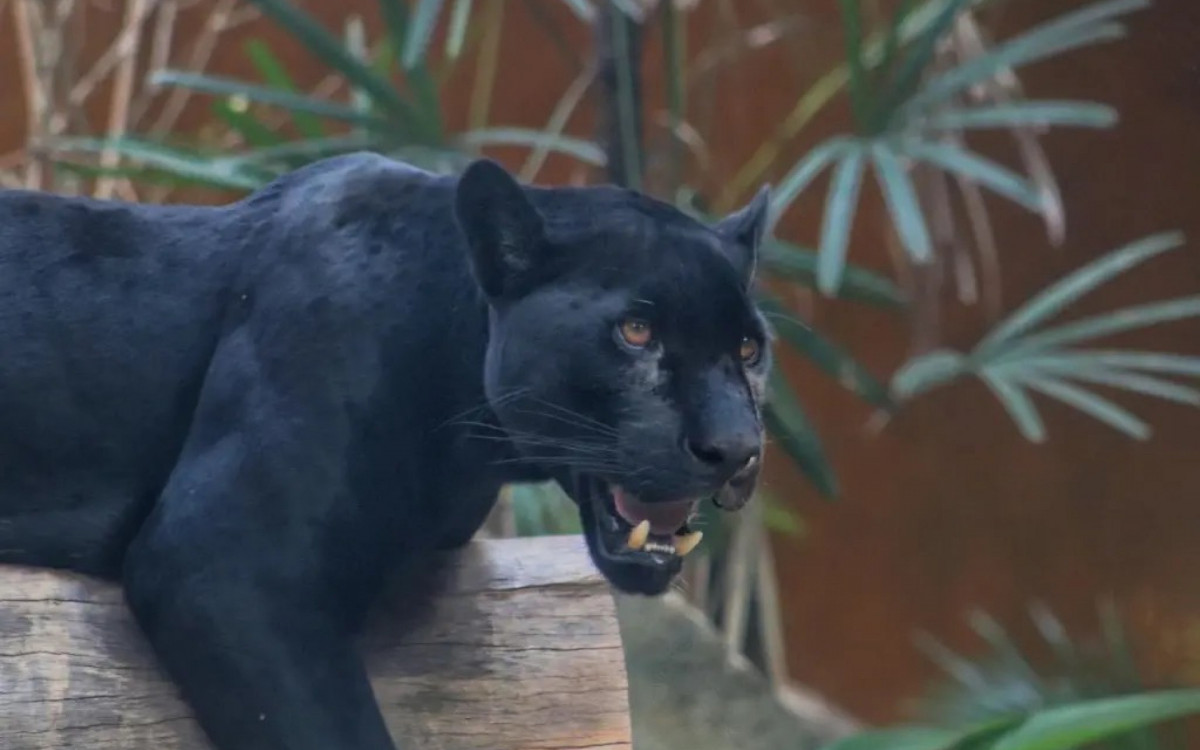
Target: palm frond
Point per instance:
(1059, 295)
(788, 422)
(326, 46)
(1043, 113)
(1002, 683)
(1015, 359)
(976, 168)
(290, 101)
(1088, 25)
(920, 115)
(1062, 727)
(275, 74)
(829, 357)
(840, 206)
(902, 203)
(799, 264)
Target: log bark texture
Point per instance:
(518, 649)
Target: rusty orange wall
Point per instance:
(948, 508)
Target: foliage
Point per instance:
(1003, 681)
(903, 118)
(1014, 359)
(921, 83)
(405, 121)
(914, 105)
(1056, 728)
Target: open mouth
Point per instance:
(631, 530)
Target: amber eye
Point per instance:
(749, 351)
(636, 332)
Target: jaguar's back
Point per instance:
(108, 315)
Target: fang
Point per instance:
(687, 543)
(639, 535)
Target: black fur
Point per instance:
(250, 414)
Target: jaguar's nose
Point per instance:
(729, 454)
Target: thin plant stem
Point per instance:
(127, 45)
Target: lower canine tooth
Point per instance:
(686, 543)
(639, 535)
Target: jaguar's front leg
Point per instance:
(260, 648)
(256, 562)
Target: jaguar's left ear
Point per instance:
(743, 231)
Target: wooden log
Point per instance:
(519, 649)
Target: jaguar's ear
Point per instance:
(743, 231)
(505, 232)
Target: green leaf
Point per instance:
(1018, 405)
(927, 371)
(1116, 642)
(851, 16)
(1024, 114)
(786, 419)
(994, 634)
(919, 59)
(982, 735)
(805, 171)
(974, 167)
(1143, 384)
(459, 19)
(675, 74)
(829, 357)
(1089, 403)
(779, 517)
(327, 47)
(542, 509)
(1125, 319)
(274, 73)
(956, 666)
(905, 738)
(213, 171)
(245, 124)
(583, 150)
(582, 9)
(891, 42)
(629, 8)
(799, 264)
(628, 126)
(1072, 30)
(903, 203)
(1089, 15)
(139, 172)
(420, 31)
(355, 35)
(310, 149)
(427, 109)
(840, 206)
(1079, 724)
(984, 67)
(437, 160)
(1054, 633)
(1171, 364)
(1056, 297)
(395, 17)
(292, 102)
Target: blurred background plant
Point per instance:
(1107, 722)
(71, 88)
(1003, 681)
(923, 78)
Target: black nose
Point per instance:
(728, 454)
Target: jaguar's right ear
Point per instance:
(505, 232)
